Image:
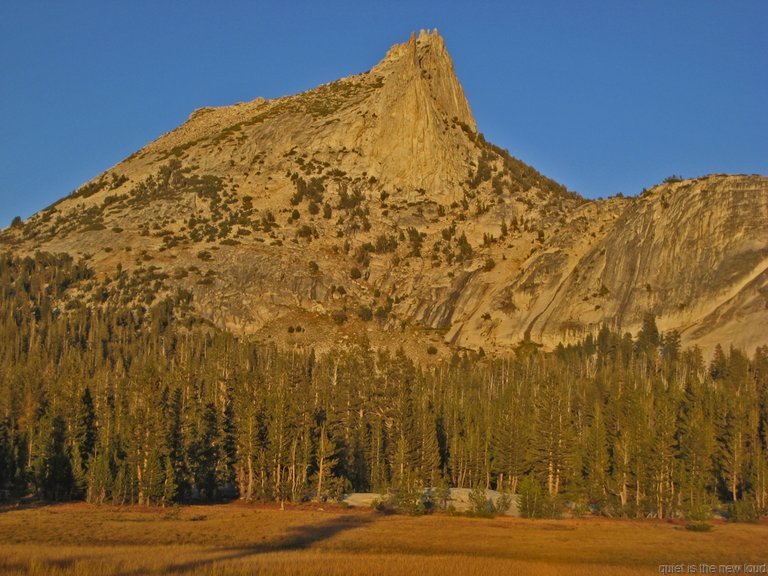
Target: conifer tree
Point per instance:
(596, 463)
(85, 432)
(176, 481)
(228, 442)
(53, 471)
(100, 477)
(326, 457)
(204, 454)
(7, 460)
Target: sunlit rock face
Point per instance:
(372, 206)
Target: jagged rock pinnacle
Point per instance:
(424, 58)
(419, 100)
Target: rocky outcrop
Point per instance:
(410, 144)
(693, 253)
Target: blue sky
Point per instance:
(604, 96)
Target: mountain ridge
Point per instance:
(372, 204)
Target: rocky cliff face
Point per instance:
(693, 253)
(411, 143)
(371, 204)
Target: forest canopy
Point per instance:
(116, 402)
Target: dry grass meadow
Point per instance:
(235, 539)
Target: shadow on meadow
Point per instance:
(24, 504)
(296, 538)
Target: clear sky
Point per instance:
(604, 96)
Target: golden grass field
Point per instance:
(235, 539)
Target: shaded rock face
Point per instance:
(372, 205)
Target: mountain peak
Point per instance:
(420, 103)
(424, 60)
(375, 197)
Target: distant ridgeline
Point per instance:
(109, 395)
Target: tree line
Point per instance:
(131, 404)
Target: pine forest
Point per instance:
(112, 395)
